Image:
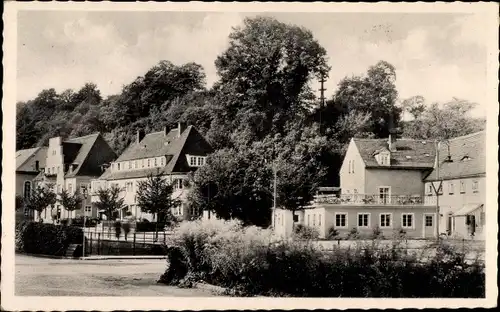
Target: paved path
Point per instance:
(63, 277)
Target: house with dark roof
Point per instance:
(29, 163)
(462, 174)
(381, 186)
(171, 153)
(71, 165)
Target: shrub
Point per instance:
(305, 232)
(89, 222)
(252, 261)
(377, 233)
(332, 233)
(48, 239)
(353, 234)
(399, 234)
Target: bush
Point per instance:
(377, 233)
(332, 233)
(89, 222)
(243, 259)
(353, 234)
(399, 234)
(47, 239)
(305, 232)
(149, 226)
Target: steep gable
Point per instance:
(94, 152)
(26, 159)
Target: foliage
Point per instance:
(353, 233)
(305, 232)
(110, 200)
(41, 198)
(70, 202)
(146, 226)
(332, 233)
(154, 195)
(444, 122)
(226, 254)
(19, 203)
(377, 233)
(89, 222)
(47, 239)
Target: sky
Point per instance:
(436, 55)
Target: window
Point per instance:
(143, 163)
(352, 169)
(37, 165)
(156, 164)
(129, 186)
(384, 194)
(130, 165)
(385, 220)
(462, 187)
(177, 184)
(295, 218)
(319, 219)
(363, 220)
(58, 188)
(200, 161)
(118, 166)
(428, 220)
(149, 163)
(162, 161)
(475, 186)
(407, 220)
(27, 189)
(308, 220)
(192, 161)
(135, 165)
(349, 166)
(88, 208)
(451, 188)
(314, 219)
(341, 220)
(70, 188)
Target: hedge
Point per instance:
(251, 261)
(149, 226)
(46, 239)
(89, 222)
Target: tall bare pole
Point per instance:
(437, 191)
(322, 98)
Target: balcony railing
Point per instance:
(369, 199)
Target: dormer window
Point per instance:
(162, 161)
(196, 161)
(383, 158)
(118, 166)
(156, 163)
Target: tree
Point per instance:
(375, 94)
(443, 122)
(19, 202)
(110, 200)
(265, 74)
(40, 199)
(414, 105)
(154, 195)
(70, 202)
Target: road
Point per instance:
(36, 276)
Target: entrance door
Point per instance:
(429, 225)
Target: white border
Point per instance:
(369, 220)
(391, 220)
(412, 227)
(10, 302)
(346, 220)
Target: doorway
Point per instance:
(429, 225)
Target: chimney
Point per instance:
(139, 136)
(165, 131)
(180, 127)
(392, 140)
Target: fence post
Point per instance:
(164, 238)
(144, 239)
(98, 243)
(90, 245)
(133, 245)
(463, 246)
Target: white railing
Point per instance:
(369, 199)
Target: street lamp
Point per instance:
(85, 195)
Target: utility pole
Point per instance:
(322, 98)
(436, 190)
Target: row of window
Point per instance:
(451, 188)
(83, 187)
(129, 186)
(385, 220)
(196, 161)
(139, 164)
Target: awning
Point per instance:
(467, 209)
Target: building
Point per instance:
(462, 170)
(171, 153)
(29, 163)
(381, 187)
(71, 165)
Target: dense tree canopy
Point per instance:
(261, 116)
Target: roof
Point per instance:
(23, 157)
(473, 146)
(153, 145)
(77, 155)
(409, 154)
(467, 209)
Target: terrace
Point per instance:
(370, 199)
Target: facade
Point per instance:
(71, 165)
(381, 188)
(173, 154)
(29, 163)
(462, 168)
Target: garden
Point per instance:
(252, 261)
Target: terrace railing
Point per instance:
(369, 199)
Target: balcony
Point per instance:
(370, 199)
